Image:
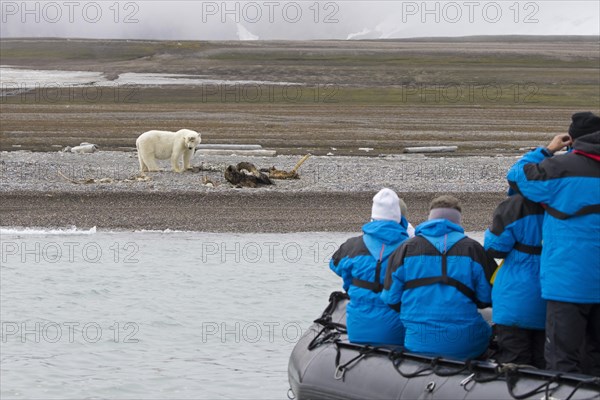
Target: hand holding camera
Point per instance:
(558, 142)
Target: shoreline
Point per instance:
(223, 212)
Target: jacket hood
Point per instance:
(441, 233)
(438, 227)
(404, 222)
(388, 233)
(589, 144)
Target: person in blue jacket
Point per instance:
(362, 262)
(439, 278)
(519, 310)
(568, 186)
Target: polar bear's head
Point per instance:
(191, 139)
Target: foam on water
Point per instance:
(160, 231)
(47, 231)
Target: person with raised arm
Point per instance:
(568, 187)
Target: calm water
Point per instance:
(157, 315)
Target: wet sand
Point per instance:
(221, 212)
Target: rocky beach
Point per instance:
(104, 189)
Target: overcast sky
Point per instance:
(294, 20)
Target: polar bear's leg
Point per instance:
(187, 157)
(143, 166)
(150, 162)
(152, 165)
(175, 161)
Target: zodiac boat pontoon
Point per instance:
(324, 365)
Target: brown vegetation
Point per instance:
(385, 95)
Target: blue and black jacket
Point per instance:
(516, 236)
(568, 186)
(440, 277)
(362, 263)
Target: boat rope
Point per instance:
(340, 370)
(591, 382)
(331, 330)
(334, 299)
(329, 336)
(398, 357)
(477, 377)
(449, 372)
(435, 367)
(511, 372)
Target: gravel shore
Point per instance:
(105, 190)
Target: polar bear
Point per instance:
(162, 145)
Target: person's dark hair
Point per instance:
(445, 201)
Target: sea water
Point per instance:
(157, 315)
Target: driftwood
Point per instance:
(87, 181)
(84, 147)
(245, 174)
(207, 168)
(431, 149)
(250, 150)
(206, 181)
(275, 173)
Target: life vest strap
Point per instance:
(375, 286)
(444, 280)
(591, 209)
(525, 248)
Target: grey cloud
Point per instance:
(294, 20)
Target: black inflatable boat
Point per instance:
(324, 365)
